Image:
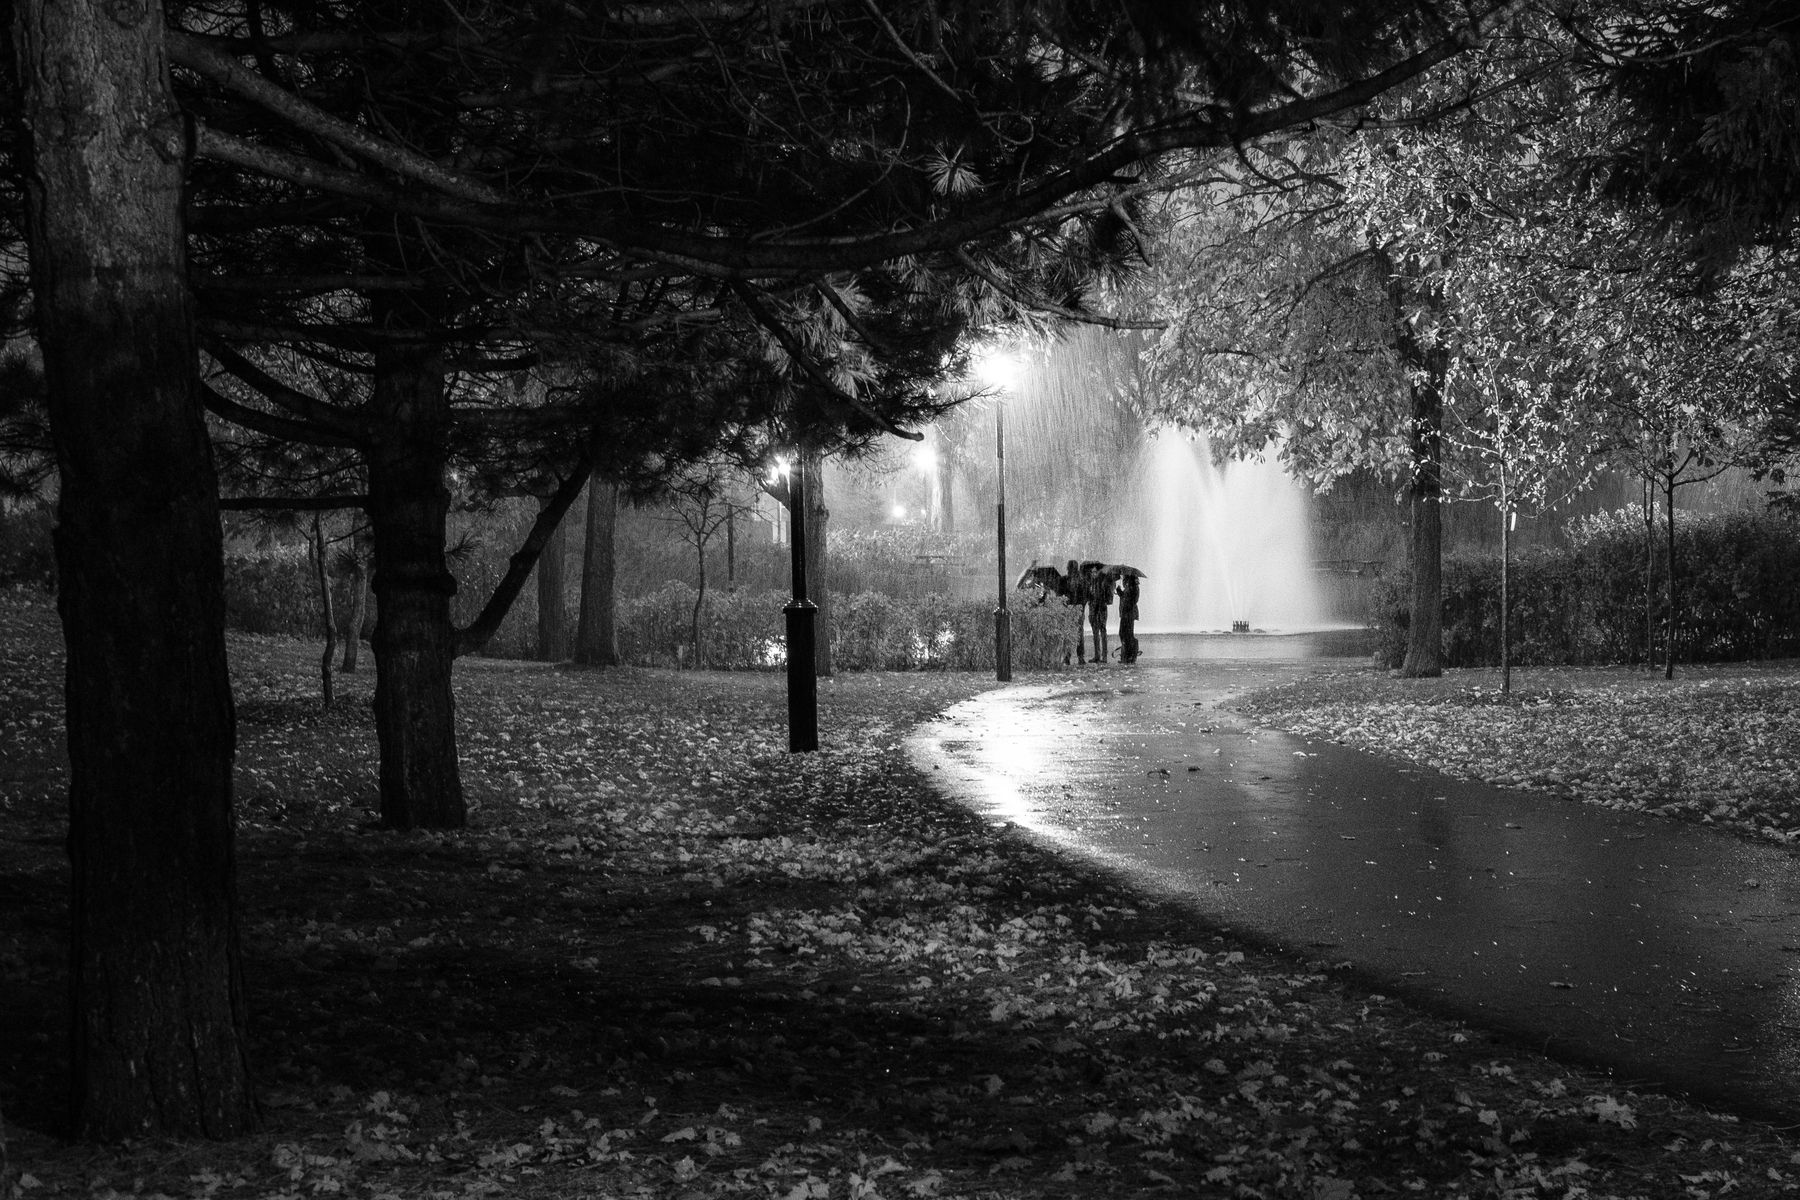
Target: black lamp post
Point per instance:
(802, 684)
(1002, 617)
(997, 369)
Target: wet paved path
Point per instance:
(1668, 953)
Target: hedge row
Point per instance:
(869, 631)
(1737, 595)
(275, 593)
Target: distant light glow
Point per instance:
(925, 458)
(997, 368)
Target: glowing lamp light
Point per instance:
(996, 369)
(925, 458)
(899, 512)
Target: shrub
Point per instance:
(27, 557)
(871, 632)
(1735, 594)
(272, 591)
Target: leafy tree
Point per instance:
(392, 173)
(702, 501)
(1710, 117)
(1710, 145)
(1684, 382)
(1428, 300)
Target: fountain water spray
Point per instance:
(1225, 547)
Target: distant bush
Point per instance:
(1735, 595)
(870, 632)
(888, 559)
(271, 591)
(27, 556)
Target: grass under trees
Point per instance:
(672, 960)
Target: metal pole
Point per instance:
(1002, 618)
(802, 684)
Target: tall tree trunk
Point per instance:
(328, 618)
(1649, 574)
(947, 496)
(817, 576)
(157, 1030)
(730, 547)
(1669, 534)
(414, 640)
(552, 596)
(1505, 589)
(1430, 362)
(357, 610)
(597, 636)
(1425, 634)
(699, 592)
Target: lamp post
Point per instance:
(925, 459)
(997, 370)
(802, 683)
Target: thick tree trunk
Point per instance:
(1431, 362)
(818, 580)
(1669, 533)
(597, 634)
(1425, 633)
(156, 995)
(357, 610)
(1505, 590)
(328, 618)
(414, 640)
(552, 597)
(1649, 575)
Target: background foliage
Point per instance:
(1585, 602)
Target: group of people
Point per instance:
(1092, 586)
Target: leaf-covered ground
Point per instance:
(672, 960)
(1718, 744)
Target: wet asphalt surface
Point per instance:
(1666, 953)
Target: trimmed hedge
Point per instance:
(1737, 595)
(274, 593)
(871, 632)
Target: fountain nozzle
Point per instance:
(1240, 627)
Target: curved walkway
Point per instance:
(1668, 953)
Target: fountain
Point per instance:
(1225, 547)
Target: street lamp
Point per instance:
(926, 460)
(998, 370)
(802, 683)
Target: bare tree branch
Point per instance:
(292, 503)
(203, 56)
(285, 428)
(1041, 305)
(737, 257)
(314, 412)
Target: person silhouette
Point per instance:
(1128, 615)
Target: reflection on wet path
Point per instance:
(1667, 952)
